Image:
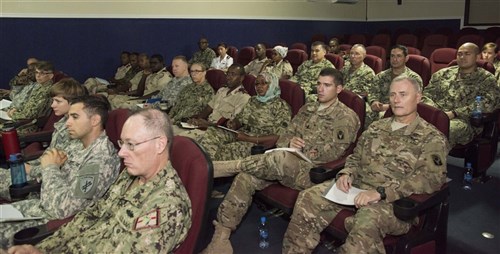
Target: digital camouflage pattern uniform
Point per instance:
(205, 57)
(327, 133)
(191, 101)
(283, 68)
(408, 160)
(151, 218)
(496, 64)
(253, 68)
(225, 104)
(20, 94)
(171, 91)
(358, 81)
(307, 76)
(80, 182)
(380, 91)
(449, 91)
(256, 119)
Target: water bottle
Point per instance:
(468, 177)
(17, 171)
(263, 234)
(478, 108)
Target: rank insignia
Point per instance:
(149, 220)
(340, 135)
(437, 160)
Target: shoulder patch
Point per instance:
(148, 220)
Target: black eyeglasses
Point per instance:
(131, 146)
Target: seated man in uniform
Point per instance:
(75, 178)
(225, 105)
(307, 73)
(454, 90)
(204, 55)
(322, 130)
(181, 79)
(255, 66)
(147, 209)
(394, 158)
(25, 77)
(378, 97)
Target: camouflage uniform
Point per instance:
(36, 105)
(253, 68)
(80, 182)
(380, 91)
(307, 76)
(360, 80)
(191, 101)
(496, 64)
(283, 68)
(171, 91)
(225, 104)
(21, 93)
(154, 217)
(117, 99)
(257, 119)
(205, 57)
(122, 71)
(449, 91)
(327, 134)
(405, 161)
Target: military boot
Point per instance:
(226, 168)
(220, 243)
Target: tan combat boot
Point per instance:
(226, 168)
(220, 243)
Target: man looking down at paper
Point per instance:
(322, 130)
(394, 158)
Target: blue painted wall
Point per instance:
(90, 47)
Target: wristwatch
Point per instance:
(381, 191)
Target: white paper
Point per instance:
(5, 103)
(10, 213)
(4, 115)
(340, 197)
(102, 81)
(188, 126)
(295, 151)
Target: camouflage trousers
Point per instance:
(461, 132)
(9, 229)
(94, 86)
(5, 182)
(257, 172)
(222, 145)
(313, 213)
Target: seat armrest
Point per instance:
(32, 235)
(326, 171)
(486, 118)
(23, 192)
(408, 208)
(41, 136)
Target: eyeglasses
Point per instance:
(131, 146)
(196, 71)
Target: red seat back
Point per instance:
(114, 124)
(296, 57)
(441, 57)
(408, 40)
(414, 51)
(299, 45)
(374, 62)
(377, 51)
(293, 94)
(195, 169)
(432, 42)
(421, 65)
(357, 39)
(249, 84)
(474, 38)
(232, 51)
(216, 78)
(336, 60)
(382, 40)
(246, 55)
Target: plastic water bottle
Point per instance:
(17, 171)
(477, 111)
(263, 234)
(468, 177)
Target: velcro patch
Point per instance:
(149, 220)
(86, 183)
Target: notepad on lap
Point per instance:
(9, 213)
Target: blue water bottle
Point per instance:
(477, 111)
(263, 234)
(468, 173)
(17, 171)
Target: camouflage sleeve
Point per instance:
(37, 102)
(287, 70)
(431, 91)
(291, 131)
(490, 99)
(282, 117)
(353, 161)
(61, 198)
(429, 174)
(374, 90)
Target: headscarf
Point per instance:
(281, 50)
(274, 87)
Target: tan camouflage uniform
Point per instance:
(256, 118)
(380, 91)
(307, 77)
(225, 104)
(253, 68)
(327, 134)
(80, 182)
(119, 223)
(117, 99)
(205, 57)
(405, 161)
(171, 91)
(191, 101)
(283, 68)
(449, 92)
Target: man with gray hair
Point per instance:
(394, 158)
(146, 210)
